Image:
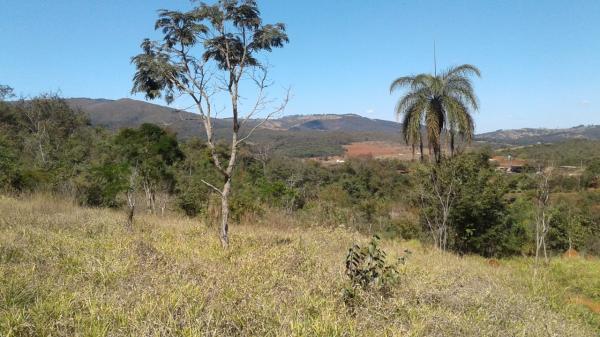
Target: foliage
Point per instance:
(367, 267)
(481, 221)
(591, 175)
(149, 148)
(67, 270)
(47, 134)
(8, 164)
(5, 92)
(105, 183)
(468, 197)
(573, 226)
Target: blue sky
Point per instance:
(540, 60)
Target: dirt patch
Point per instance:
(493, 263)
(589, 303)
(571, 253)
(378, 149)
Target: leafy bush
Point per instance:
(104, 184)
(464, 208)
(368, 270)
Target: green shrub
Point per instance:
(367, 269)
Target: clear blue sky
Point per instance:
(540, 59)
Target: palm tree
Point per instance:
(442, 103)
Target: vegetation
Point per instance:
(70, 271)
(368, 270)
(491, 213)
(463, 205)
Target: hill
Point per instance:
(531, 136)
(301, 135)
(70, 271)
(297, 135)
(125, 112)
(572, 152)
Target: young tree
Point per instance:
(543, 214)
(436, 194)
(210, 49)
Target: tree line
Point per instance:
(45, 146)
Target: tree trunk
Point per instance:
(224, 236)
(421, 149)
(451, 144)
(130, 213)
(131, 209)
(437, 153)
(150, 197)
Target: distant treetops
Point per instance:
(442, 103)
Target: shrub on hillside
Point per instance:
(368, 270)
(464, 207)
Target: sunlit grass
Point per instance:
(67, 271)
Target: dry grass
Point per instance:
(69, 271)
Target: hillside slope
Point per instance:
(300, 135)
(125, 112)
(297, 136)
(531, 136)
(68, 271)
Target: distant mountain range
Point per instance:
(531, 136)
(329, 129)
(297, 136)
(125, 112)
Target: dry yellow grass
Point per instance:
(70, 271)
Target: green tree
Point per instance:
(480, 220)
(46, 124)
(439, 102)
(150, 154)
(591, 175)
(212, 48)
(5, 92)
(52, 140)
(463, 206)
(8, 164)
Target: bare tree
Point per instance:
(263, 154)
(436, 193)
(131, 190)
(208, 50)
(37, 127)
(150, 192)
(543, 216)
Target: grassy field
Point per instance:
(70, 271)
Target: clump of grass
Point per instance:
(68, 271)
